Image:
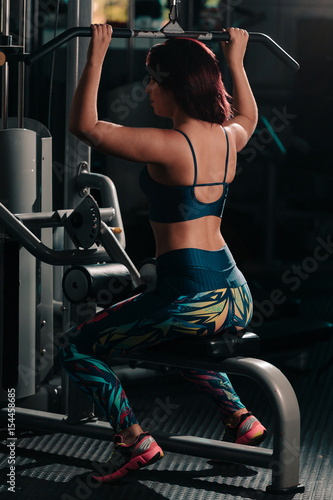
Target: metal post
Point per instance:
(79, 14)
(5, 12)
(76, 152)
(228, 17)
(20, 98)
(130, 43)
(286, 439)
(4, 109)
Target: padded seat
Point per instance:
(219, 346)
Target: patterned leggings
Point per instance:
(145, 320)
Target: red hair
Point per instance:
(189, 69)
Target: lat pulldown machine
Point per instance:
(26, 240)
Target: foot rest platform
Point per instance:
(231, 354)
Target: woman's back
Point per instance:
(185, 86)
(190, 189)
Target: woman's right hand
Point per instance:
(101, 35)
(234, 49)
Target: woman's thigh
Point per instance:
(148, 319)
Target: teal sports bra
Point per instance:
(179, 203)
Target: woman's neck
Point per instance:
(182, 120)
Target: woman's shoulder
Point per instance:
(238, 133)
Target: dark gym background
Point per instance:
(280, 202)
(278, 223)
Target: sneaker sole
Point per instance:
(147, 458)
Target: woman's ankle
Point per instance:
(234, 417)
(130, 434)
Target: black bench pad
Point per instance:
(221, 345)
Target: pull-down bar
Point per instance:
(203, 36)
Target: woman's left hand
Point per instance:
(100, 40)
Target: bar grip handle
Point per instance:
(67, 35)
(276, 49)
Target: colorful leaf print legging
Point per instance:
(197, 292)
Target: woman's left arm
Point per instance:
(137, 144)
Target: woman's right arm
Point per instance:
(83, 116)
(139, 144)
(245, 107)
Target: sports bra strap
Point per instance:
(195, 160)
(227, 155)
(193, 154)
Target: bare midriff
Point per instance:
(203, 233)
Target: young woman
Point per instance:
(199, 289)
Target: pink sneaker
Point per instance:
(248, 431)
(128, 457)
